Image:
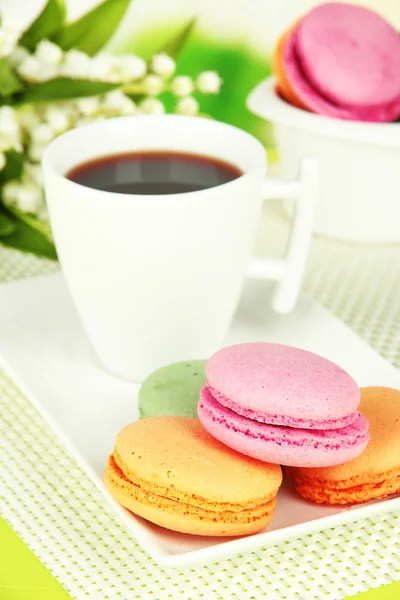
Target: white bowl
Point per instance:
(359, 166)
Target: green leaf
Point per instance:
(49, 22)
(13, 167)
(92, 31)
(174, 46)
(9, 82)
(63, 88)
(28, 239)
(41, 226)
(6, 225)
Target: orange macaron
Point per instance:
(278, 69)
(170, 471)
(372, 475)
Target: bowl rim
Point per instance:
(264, 102)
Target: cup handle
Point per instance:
(289, 270)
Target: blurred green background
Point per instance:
(239, 67)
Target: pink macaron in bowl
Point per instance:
(343, 63)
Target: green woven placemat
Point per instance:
(23, 577)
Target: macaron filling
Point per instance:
(173, 493)
(192, 508)
(350, 436)
(284, 420)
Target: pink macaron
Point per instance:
(343, 61)
(282, 404)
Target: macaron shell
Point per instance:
(284, 381)
(283, 445)
(173, 390)
(381, 407)
(367, 488)
(171, 492)
(350, 55)
(185, 518)
(177, 454)
(317, 103)
(373, 474)
(278, 69)
(284, 420)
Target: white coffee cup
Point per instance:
(157, 279)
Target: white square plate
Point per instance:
(44, 347)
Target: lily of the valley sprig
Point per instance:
(53, 78)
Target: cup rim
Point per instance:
(48, 163)
(264, 102)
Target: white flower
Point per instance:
(18, 55)
(152, 85)
(69, 109)
(9, 127)
(29, 69)
(163, 65)
(9, 34)
(129, 108)
(152, 106)
(102, 68)
(118, 102)
(187, 106)
(48, 71)
(57, 119)
(29, 198)
(36, 151)
(42, 134)
(114, 99)
(130, 68)
(6, 142)
(209, 82)
(8, 119)
(2, 160)
(10, 192)
(182, 86)
(33, 173)
(76, 64)
(47, 52)
(33, 70)
(88, 106)
(28, 118)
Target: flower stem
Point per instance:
(134, 89)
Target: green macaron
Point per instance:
(173, 390)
